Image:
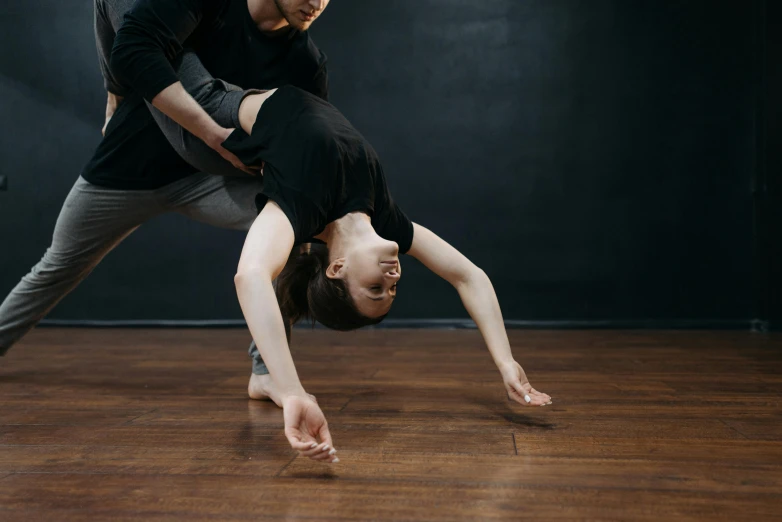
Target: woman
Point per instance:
(323, 181)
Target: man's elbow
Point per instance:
(119, 60)
(132, 44)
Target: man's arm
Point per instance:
(112, 102)
(146, 45)
(104, 41)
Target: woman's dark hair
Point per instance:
(304, 292)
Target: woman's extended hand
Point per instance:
(518, 387)
(307, 429)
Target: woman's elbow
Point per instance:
(470, 275)
(248, 275)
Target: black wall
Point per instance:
(597, 158)
(769, 187)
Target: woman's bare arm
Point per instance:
(264, 255)
(480, 300)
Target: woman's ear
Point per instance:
(336, 270)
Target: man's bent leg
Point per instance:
(93, 220)
(223, 202)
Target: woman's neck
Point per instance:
(345, 231)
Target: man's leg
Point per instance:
(224, 202)
(93, 220)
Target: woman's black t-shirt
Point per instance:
(318, 167)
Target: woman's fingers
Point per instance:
(528, 396)
(324, 434)
(544, 396)
(320, 452)
(518, 388)
(540, 399)
(316, 450)
(313, 450)
(324, 455)
(518, 397)
(300, 445)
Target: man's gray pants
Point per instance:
(94, 220)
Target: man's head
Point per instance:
(301, 13)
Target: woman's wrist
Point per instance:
(294, 395)
(292, 390)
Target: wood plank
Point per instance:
(118, 424)
(324, 498)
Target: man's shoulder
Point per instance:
(304, 41)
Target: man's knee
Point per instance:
(55, 267)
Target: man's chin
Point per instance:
(301, 26)
(297, 23)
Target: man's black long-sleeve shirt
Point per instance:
(225, 38)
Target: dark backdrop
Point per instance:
(768, 189)
(595, 158)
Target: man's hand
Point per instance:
(112, 102)
(216, 140)
(518, 387)
(307, 430)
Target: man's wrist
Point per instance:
(214, 135)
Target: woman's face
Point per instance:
(372, 271)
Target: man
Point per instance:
(135, 174)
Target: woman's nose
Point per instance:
(393, 274)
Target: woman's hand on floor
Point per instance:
(307, 429)
(518, 387)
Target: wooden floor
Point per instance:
(155, 425)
